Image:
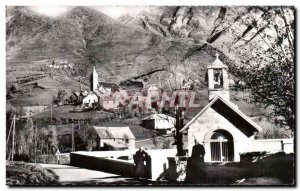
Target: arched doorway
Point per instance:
(221, 145)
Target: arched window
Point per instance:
(221, 145)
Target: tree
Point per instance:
(262, 42)
(61, 95)
(87, 135)
(267, 57)
(29, 132)
(53, 139)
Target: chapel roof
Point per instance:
(231, 113)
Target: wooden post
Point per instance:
(51, 112)
(11, 126)
(35, 143)
(179, 125)
(72, 137)
(13, 139)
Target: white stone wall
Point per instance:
(272, 145)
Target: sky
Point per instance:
(112, 11)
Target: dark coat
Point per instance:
(139, 158)
(195, 165)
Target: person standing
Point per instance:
(139, 160)
(57, 154)
(195, 164)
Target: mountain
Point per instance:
(120, 52)
(176, 22)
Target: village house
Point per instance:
(159, 122)
(90, 100)
(61, 64)
(222, 128)
(115, 138)
(109, 103)
(152, 90)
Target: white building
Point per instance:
(159, 122)
(117, 137)
(222, 128)
(153, 91)
(89, 100)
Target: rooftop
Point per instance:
(120, 132)
(217, 63)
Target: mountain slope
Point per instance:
(119, 52)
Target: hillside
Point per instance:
(91, 36)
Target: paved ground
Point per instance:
(70, 175)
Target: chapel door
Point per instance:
(221, 145)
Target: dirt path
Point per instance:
(70, 175)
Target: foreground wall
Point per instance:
(110, 165)
(107, 161)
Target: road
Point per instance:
(70, 175)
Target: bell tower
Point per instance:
(94, 79)
(218, 82)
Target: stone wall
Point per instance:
(110, 165)
(272, 145)
(108, 161)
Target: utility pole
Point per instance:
(72, 137)
(13, 139)
(178, 135)
(51, 112)
(35, 143)
(11, 126)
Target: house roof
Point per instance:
(231, 113)
(112, 85)
(84, 93)
(114, 132)
(159, 116)
(76, 93)
(147, 86)
(98, 93)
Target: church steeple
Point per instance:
(94, 79)
(218, 82)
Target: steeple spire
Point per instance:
(94, 79)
